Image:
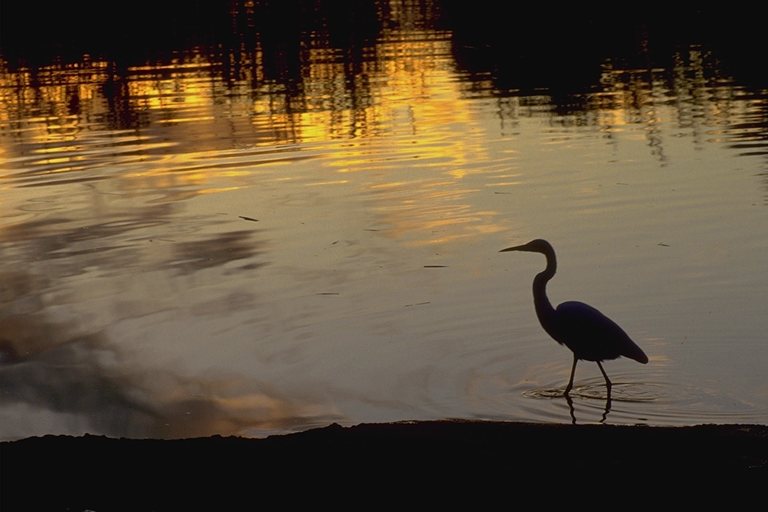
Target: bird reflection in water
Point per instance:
(572, 409)
(589, 334)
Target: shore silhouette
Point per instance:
(99, 472)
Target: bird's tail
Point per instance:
(632, 351)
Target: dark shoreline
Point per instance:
(97, 472)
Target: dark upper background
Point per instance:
(520, 47)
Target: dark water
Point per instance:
(262, 217)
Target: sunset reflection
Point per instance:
(403, 98)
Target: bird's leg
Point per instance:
(573, 372)
(607, 406)
(607, 380)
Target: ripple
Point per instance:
(632, 401)
(620, 392)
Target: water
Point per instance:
(299, 223)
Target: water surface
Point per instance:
(300, 224)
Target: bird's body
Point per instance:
(589, 334)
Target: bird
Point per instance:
(589, 334)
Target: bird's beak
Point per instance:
(515, 248)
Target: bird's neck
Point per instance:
(544, 309)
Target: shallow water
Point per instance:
(269, 234)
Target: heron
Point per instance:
(589, 334)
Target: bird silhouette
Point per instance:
(589, 334)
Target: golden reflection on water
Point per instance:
(405, 103)
(406, 82)
(701, 98)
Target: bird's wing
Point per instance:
(593, 336)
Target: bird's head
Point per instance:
(538, 245)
